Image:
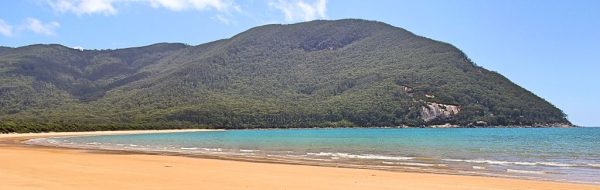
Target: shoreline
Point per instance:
(93, 133)
(14, 142)
(431, 126)
(274, 160)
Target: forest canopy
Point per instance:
(343, 73)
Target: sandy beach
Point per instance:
(36, 167)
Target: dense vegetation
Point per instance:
(315, 74)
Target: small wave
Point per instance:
(361, 156)
(188, 148)
(478, 167)
(497, 162)
(41, 141)
(525, 171)
(316, 159)
(481, 161)
(243, 150)
(524, 163)
(594, 165)
(414, 164)
(93, 143)
(34, 141)
(556, 164)
(213, 149)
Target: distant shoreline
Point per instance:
(553, 125)
(90, 133)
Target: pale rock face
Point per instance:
(434, 110)
(407, 89)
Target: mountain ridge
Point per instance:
(340, 73)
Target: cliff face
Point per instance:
(434, 110)
(314, 74)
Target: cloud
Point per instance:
(110, 7)
(223, 19)
(299, 10)
(31, 24)
(5, 28)
(225, 6)
(80, 7)
(38, 27)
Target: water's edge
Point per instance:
(190, 152)
(280, 161)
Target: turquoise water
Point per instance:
(558, 154)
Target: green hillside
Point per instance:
(315, 74)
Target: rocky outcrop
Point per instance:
(447, 125)
(434, 110)
(407, 89)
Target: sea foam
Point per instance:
(359, 156)
(506, 163)
(414, 164)
(188, 148)
(524, 171)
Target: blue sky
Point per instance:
(549, 47)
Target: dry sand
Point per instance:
(25, 167)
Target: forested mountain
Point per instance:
(313, 74)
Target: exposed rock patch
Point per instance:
(447, 125)
(435, 110)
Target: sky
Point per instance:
(551, 48)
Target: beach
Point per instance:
(37, 167)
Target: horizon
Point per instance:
(549, 48)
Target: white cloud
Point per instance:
(5, 28)
(225, 6)
(299, 10)
(80, 7)
(38, 27)
(110, 7)
(30, 24)
(223, 19)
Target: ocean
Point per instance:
(557, 154)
